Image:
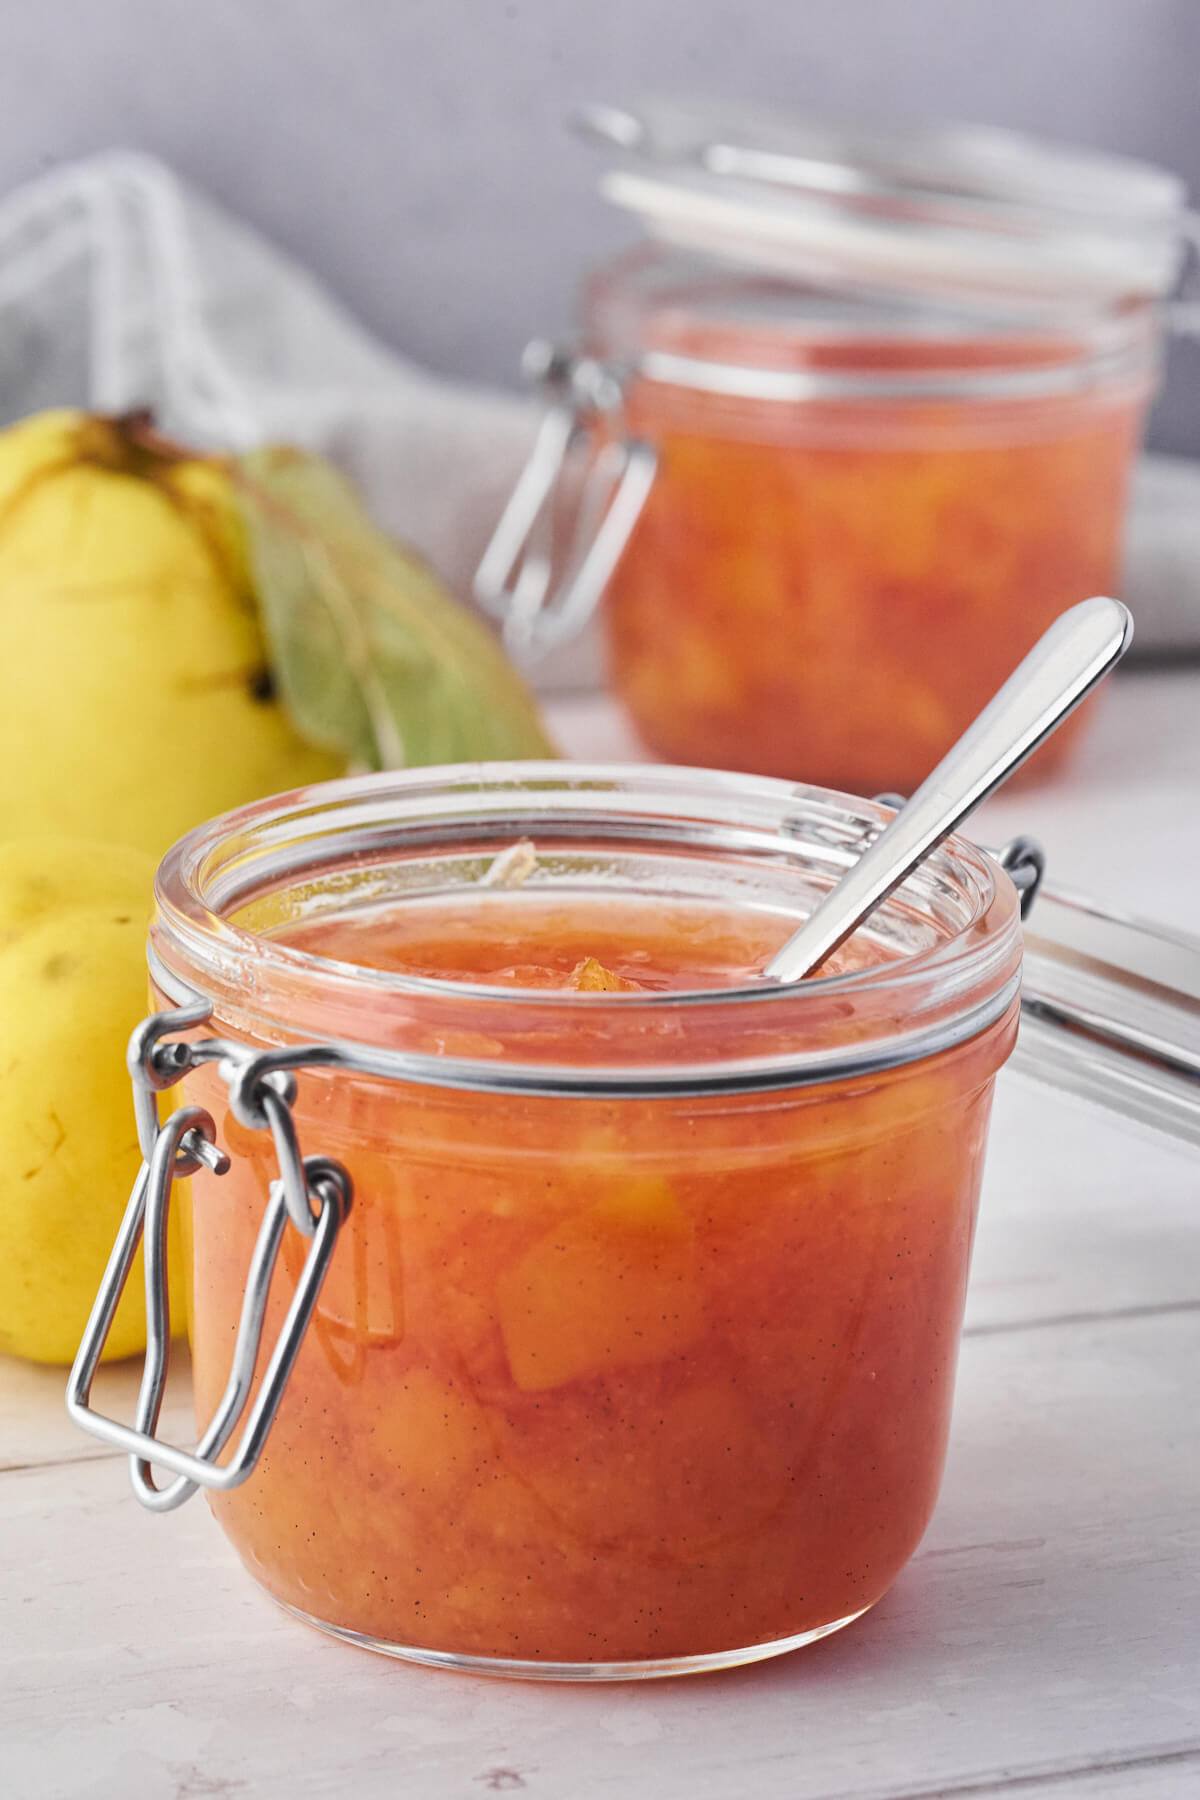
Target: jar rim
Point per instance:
(657, 314)
(907, 1008)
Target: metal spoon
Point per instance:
(1064, 665)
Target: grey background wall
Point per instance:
(412, 151)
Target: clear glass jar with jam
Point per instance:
(842, 437)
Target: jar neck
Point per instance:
(950, 940)
(685, 324)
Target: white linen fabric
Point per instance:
(122, 287)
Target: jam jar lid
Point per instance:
(973, 211)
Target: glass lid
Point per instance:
(968, 210)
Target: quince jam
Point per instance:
(602, 1380)
(864, 511)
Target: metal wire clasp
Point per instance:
(515, 579)
(312, 1192)
(1024, 862)
(1022, 858)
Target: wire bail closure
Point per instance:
(1024, 862)
(515, 580)
(1022, 859)
(313, 1193)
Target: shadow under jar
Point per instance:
(863, 411)
(636, 1350)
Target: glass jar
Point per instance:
(855, 424)
(601, 1328)
(636, 1346)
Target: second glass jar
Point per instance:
(842, 435)
(862, 515)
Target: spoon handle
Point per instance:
(1064, 665)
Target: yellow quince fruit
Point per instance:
(73, 985)
(136, 699)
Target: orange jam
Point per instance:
(858, 525)
(601, 1381)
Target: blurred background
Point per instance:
(414, 155)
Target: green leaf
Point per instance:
(372, 656)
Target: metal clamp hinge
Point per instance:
(313, 1193)
(516, 576)
(1024, 862)
(1022, 859)
(1182, 308)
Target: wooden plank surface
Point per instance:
(35, 1429)
(1043, 1645)
(1082, 1214)
(1048, 1627)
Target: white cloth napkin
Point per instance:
(121, 287)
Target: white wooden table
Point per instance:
(1044, 1644)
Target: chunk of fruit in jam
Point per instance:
(613, 1286)
(591, 977)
